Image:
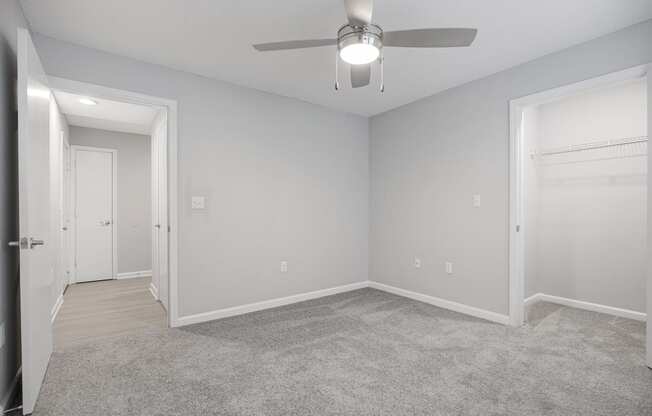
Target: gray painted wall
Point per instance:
(589, 209)
(428, 158)
(10, 18)
(283, 180)
(531, 197)
(134, 193)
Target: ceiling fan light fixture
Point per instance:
(360, 42)
(359, 53)
(359, 45)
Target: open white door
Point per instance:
(36, 265)
(649, 221)
(65, 219)
(160, 268)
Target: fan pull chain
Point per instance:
(382, 72)
(337, 83)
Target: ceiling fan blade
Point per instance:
(359, 11)
(294, 44)
(360, 75)
(430, 38)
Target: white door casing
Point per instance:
(94, 179)
(34, 211)
(169, 108)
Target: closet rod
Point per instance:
(594, 145)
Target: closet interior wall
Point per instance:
(586, 196)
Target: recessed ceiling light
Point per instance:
(87, 101)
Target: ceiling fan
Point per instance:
(360, 43)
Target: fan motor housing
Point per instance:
(350, 35)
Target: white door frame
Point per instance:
(516, 194)
(170, 107)
(75, 148)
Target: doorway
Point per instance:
(116, 284)
(162, 165)
(578, 190)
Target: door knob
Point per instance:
(22, 243)
(25, 243)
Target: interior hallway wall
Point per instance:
(11, 17)
(134, 193)
(430, 157)
(284, 180)
(591, 242)
(531, 196)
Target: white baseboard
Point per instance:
(273, 303)
(56, 308)
(267, 304)
(594, 307)
(153, 290)
(133, 275)
(11, 392)
(443, 303)
(533, 299)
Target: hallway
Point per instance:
(105, 309)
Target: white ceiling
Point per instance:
(213, 38)
(106, 115)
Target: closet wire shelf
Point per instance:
(606, 149)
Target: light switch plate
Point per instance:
(198, 202)
(476, 200)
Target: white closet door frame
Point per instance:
(516, 195)
(114, 208)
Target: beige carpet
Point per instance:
(360, 353)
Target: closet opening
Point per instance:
(578, 200)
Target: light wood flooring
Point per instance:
(95, 310)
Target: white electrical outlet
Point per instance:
(284, 266)
(449, 267)
(198, 202)
(476, 200)
(417, 263)
(2, 335)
